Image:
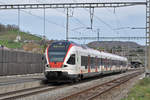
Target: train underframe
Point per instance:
(59, 76)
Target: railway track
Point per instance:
(25, 92)
(44, 88)
(35, 90)
(98, 90)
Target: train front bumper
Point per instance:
(58, 76)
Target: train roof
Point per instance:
(95, 52)
(113, 56)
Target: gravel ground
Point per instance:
(67, 90)
(120, 92)
(126, 89)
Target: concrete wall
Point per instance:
(18, 62)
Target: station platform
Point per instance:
(19, 82)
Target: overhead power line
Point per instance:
(107, 38)
(77, 20)
(51, 22)
(71, 5)
(39, 17)
(109, 26)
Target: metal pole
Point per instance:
(91, 16)
(147, 52)
(98, 34)
(67, 24)
(44, 24)
(2, 59)
(18, 23)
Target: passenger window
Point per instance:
(71, 60)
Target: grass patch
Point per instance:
(10, 44)
(11, 35)
(8, 34)
(140, 91)
(7, 38)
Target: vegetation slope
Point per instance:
(8, 34)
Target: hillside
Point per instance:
(12, 34)
(132, 50)
(107, 45)
(8, 34)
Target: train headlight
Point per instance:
(65, 66)
(47, 66)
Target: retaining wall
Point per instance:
(19, 62)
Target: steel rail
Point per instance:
(116, 82)
(26, 92)
(116, 85)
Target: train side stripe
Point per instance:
(48, 56)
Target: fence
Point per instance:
(18, 62)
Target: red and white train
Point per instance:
(69, 61)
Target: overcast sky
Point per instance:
(106, 19)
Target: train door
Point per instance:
(89, 64)
(78, 60)
(102, 65)
(96, 64)
(106, 65)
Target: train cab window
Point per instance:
(71, 60)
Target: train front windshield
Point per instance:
(57, 51)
